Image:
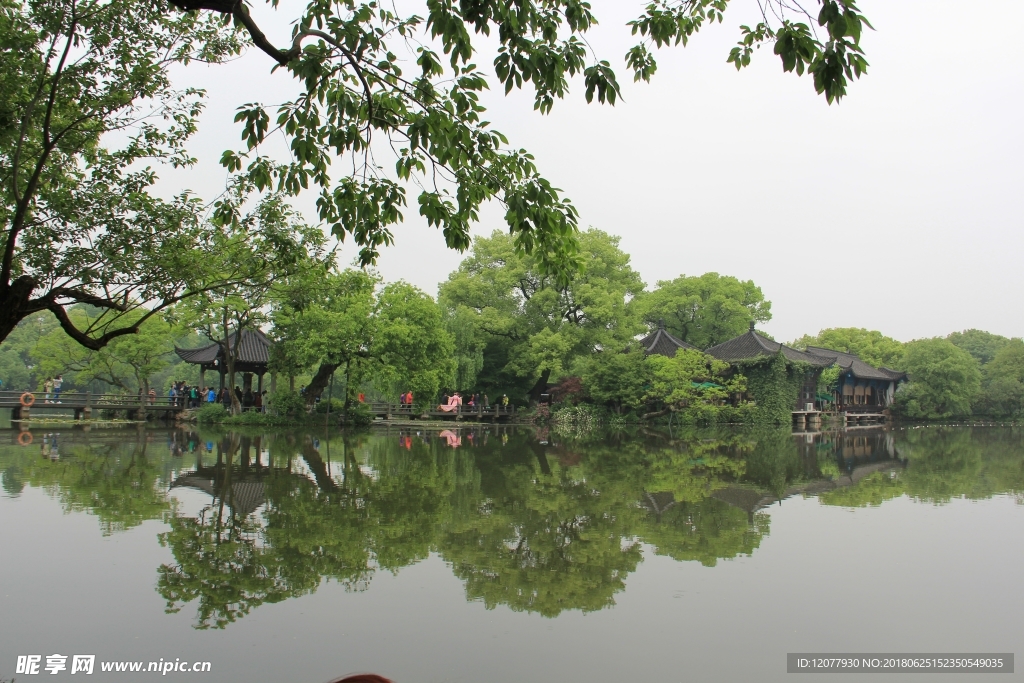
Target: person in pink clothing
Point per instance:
(453, 404)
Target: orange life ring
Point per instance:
(27, 399)
(22, 440)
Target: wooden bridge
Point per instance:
(397, 411)
(82, 404)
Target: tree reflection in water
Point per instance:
(536, 522)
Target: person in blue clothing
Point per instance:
(211, 395)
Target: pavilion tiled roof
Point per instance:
(852, 364)
(663, 343)
(253, 347)
(752, 346)
(244, 497)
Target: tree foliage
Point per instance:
(350, 60)
(705, 310)
(871, 346)
(87, 108)
(531, 326)
(395, 337)
(616, 378)
(1002, 387)
(982, 345)
(691, 377)
(127, 362)
(944, 380)
(412, 346)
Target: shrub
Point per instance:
(287, 403)
(211, 413)
(337, 406)
(358, 415)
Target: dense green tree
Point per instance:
(324, 320)
(705, 310)
(18, 368)
(871, 346)
(126, 363)
(534, 328)
(690, 377)
(412, 348)
(396, 337)
(1002, 387)
(615, 378)
(469, 347)
(982, 345)
(944, 380)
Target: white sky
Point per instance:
(894, 210)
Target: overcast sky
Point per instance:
(896, 210)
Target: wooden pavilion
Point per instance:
(253, 358)
(862, 387)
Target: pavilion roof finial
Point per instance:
(752, 325)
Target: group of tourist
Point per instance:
(455, 401)
(190, 396)
(187, 395)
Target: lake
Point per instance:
(508, 554)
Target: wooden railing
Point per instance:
(398, 410)
(87, 399)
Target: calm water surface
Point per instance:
(509, 555)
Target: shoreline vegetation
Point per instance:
(499, 327)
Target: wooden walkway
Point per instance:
(84, 403)
(396, 411)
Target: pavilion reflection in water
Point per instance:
(236, 479)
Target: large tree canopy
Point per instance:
(530, 325)
(87, 105)
(871, 346)
(350, 58)
(984, 346)
(705, 310)
(944, 380)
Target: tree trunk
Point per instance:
(319, 382)
(540, 386)
(231, 355)
(14, 300)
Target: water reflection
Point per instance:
(538, 522)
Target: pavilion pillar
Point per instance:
(259, 383)
(221, 369)
(246, 382)
(202, 376)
